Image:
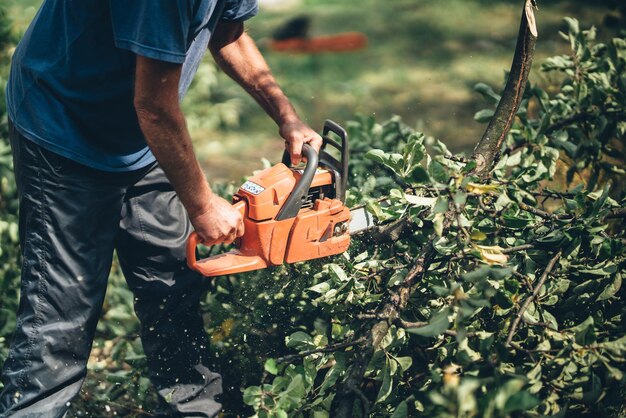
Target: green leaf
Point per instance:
(520, 401)
(294, 393)
(338, 273)
(414, 150)
(487, 92)
(441, 205)
(418, 175)
(252, 395)
(394, 162)
(438, 172)
(436, 325)
(387, 385)
(584, 332)
(612, 289)
(279, 413)
(397, 277)
(271, 367)
(402, 410)
(404, 363)
(438, 223)
(299, 340)
(484, 115)
(320, 288)
(338, 369)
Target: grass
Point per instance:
(422, 60)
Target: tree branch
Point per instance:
(543, 214)
(522, 247)
(448, 332)
(578, 117)
(530, 298)
(487, 152)
(617, 213)
(327, 349)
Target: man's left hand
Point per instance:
(296, 134)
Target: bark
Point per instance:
(486, 154)
(487, 151)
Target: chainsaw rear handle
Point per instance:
(194, 239)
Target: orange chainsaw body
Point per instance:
(318, 227)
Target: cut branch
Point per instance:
(487, 152)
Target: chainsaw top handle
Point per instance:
(294, 202)
(338, 168)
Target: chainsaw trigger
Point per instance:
(327, 234)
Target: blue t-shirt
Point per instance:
(71, 85)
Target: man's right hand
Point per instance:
(221, 223)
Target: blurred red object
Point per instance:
(341, 42)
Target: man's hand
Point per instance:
(296, 134)
(220, 223)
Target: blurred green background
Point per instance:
(422, 59)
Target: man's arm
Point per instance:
(237, 54)
(163, 125)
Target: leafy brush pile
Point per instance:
(477, 296)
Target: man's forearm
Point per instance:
(242, 61)
(237, 54)
(169, 141)
(163, 125)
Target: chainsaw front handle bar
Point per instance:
(294, 202)
(194, 239)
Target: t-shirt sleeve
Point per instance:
(157, 29)
(239, 10)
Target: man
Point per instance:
(104, 161)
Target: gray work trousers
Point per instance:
(71, 219)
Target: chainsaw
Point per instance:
(290, 214)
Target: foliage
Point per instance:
(522, 309)
(290, 335)
(586, 119)
(209, 103)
